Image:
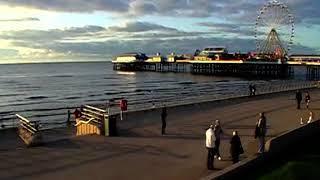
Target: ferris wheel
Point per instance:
(274, 29)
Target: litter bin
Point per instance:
(110, 126)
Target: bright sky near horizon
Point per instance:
(59, 30)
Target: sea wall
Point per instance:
(275, 147)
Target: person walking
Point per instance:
(250, 89)
(307, 99)
(254, 90)
(210, 139)
(311, 117)
(298, 98)
(163, 119)
(260, 132)
(217, 133)
(236, 147)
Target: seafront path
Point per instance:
(140, 152)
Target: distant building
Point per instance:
(211, 53)
(174, 58)
(156, 58)
(305, 58)
(131, 57)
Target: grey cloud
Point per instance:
(151, 46)
(145, 37)
(72, 5)
(240, 10)
(50, 35)
(140, 27)
(20, 19)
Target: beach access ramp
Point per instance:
(29, 131)
(97, 121)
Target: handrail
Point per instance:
(90, 116)
(27, 124)
(84, 122)
(22, 118)
(94, 112)
(94, 108)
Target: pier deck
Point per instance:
(142, 153)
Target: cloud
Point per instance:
(231, 10)
(20, 19)
(140, 27)
(72, 5)
(100, 42)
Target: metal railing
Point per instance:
(31, 126)
(268, 88)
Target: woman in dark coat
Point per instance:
(236, 147)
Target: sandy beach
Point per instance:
(140, 152)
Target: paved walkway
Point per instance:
(142, 153)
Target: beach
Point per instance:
(141, 152)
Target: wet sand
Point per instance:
(142, 153)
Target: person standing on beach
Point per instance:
(217, 133)
(250, 90)
(260, 132)
(307, 99)
(236, 147)
(163, 119)
(298, 98)
(210, 139)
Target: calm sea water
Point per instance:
(46, 91)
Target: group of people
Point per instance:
(307, 99)
(213, 139)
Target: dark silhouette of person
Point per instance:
(77, 113)
(261, 130)
(298, 98)
(254, 90)
(217, 133)
(236, 147)
(307, 99)
(250, 90)
(163, 119)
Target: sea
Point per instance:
(45, 92)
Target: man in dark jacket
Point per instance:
(298, 98)
(236, 147)
(261, 128)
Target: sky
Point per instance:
(89, 30)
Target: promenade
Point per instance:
(140, 152)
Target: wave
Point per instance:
(37, 97)
(61, 76)
(186, 83)
(11, 95)
(113, 93)
(71, 97)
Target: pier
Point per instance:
(155, 67)
(271, 69)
